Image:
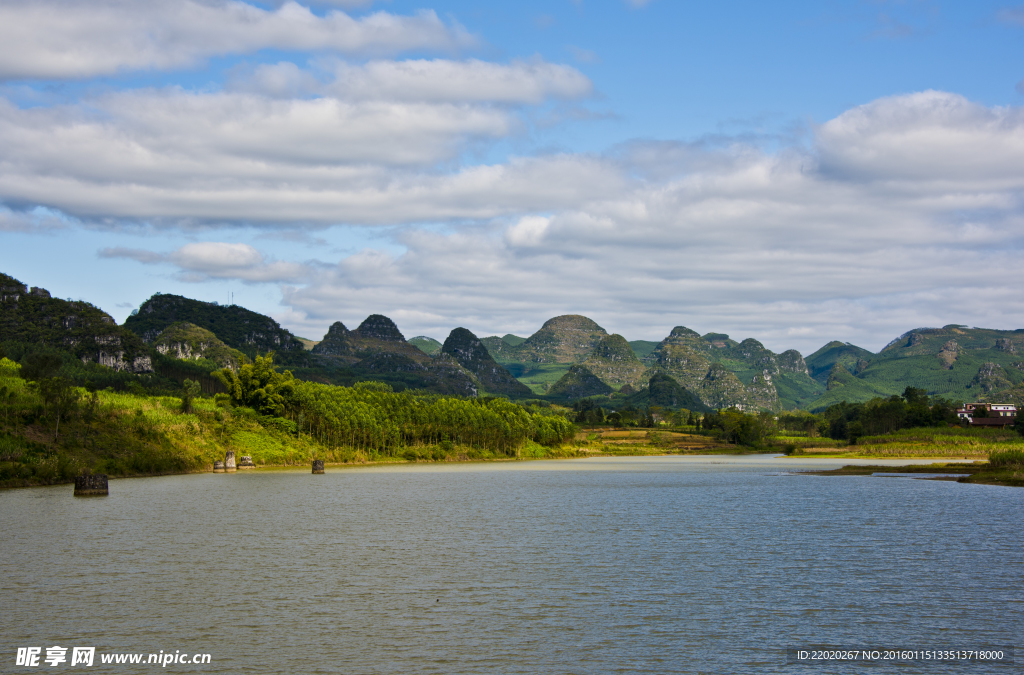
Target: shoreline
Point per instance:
(980, 473)
(974, 466)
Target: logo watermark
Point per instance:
(34, 657)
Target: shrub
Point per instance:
(1007, 459)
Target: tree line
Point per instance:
(370, 416)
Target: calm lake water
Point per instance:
(620, 565)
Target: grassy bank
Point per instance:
(635, 441)
(125, 434)
(993, 472)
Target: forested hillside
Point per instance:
(172, 338)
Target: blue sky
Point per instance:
(794, 172)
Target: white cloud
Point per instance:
(795, 248)
(529, 231)
(905, 211)
(202, 261)
(521, 82)
(176, 157)
(69, 39)
(924, 137)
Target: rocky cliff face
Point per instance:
(685, 357)
(761, 392)
(991, 377)
(720, 388)
(92, 335)
(791, 361)
(949, 354)
(757, 356)
(190, 342)
(614, 361)
(563, 339)
(236, 326)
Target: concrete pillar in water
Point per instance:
(218, 466)
(318, 466)
(229, 461)
(246, 462)
(91, 486)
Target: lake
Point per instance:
(604, 565)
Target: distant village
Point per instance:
(988, 414)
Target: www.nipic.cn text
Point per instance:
(56, 655)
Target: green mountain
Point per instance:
(32, 317)
(851, 357)
(564, 339)
(955, 362)
(427, 345)
(471, 354)
(178, 337)
(664, 391)
(376, 334)
(615, 363)
(237, 327)
(189, 342)
(578, 382)
(377, 350)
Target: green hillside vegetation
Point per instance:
(578, 382)
(613, 361)
(970, 364)
(564, 339)
(471, 354)
(242, 329)
(36, 320)
(189, 342)
(643, 348)
(427, 345)
(377, 350)
(539, 377)
(268, 415)
(664, 392)
(851, 357)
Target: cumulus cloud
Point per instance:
(925, 137)
(47, 39)
(178, 157)
(202, 261)
(871, 231)
(903, 212)
(263, 153)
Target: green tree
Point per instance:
(259, 386)
(59, 396)
(40, 366)
(189, 391)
